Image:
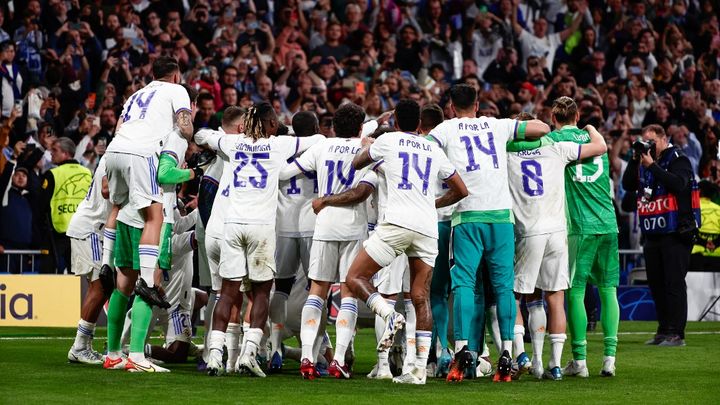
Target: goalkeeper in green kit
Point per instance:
(592, 242)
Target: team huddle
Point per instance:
(469, 217)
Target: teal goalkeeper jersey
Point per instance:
(588, 189)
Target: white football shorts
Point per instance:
(541, 261)
(248, 252)
(132, 180)
(331, 260)
(86, 256)
(389, 241)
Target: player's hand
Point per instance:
(192, 203)
(317, 205)
(589, 128)
(385, 117)
(646, 159)
(366, 141)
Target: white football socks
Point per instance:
(233, 337)
(379, 306)
(495, 328)
(557, 341)
(108, 247)
(310, 324)
(423, 342)
(537, 322)
(410, 338)
(518, 342)
(278, 315)
(148, 260)
(83, 336)
(345, 327)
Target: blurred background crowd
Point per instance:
(66, 68)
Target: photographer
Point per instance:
(669, 215)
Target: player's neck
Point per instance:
(567, 125)
(463, 114)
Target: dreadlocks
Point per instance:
(257, 119)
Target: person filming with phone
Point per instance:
(668, 204)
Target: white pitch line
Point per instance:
(105, 338)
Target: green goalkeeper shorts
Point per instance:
(127, 241)
(594, 259)
(165, 248)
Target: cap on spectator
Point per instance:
(529, 87)
(22, 169)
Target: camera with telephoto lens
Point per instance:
(641, 147)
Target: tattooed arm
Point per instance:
(184, 123)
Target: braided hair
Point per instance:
(564, 110)
(256, 120)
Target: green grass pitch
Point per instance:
(34, 369)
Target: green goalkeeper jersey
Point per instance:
(588, 189)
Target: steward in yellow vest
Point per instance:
(63, 187)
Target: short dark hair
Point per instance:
(431, 115)
(204, 97)
(525, 116)
(232, 116)
(407, 115)
(381, 130)
(656, 128)
(191, 91)
(164, 66)
(6, 44)
(348, 120)
(305, 123)
(564, 109)
(463, 96)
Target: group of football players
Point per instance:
(418, 219)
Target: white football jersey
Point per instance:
(296, 218)
(148, 117)
(93, 210)
(537, 185)
(476, 146)
(254, 168)
(216, 223)
(332, 160)
(412, 165)
(175, 147)
(376, 204)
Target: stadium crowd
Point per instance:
(67, 67)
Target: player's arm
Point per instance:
(290, 170)
(457, 191)
(532, 129)
(305, 143)
(105, 190)
(353, 196)
(209, 138)
(596, 147)
(183, 118)
(169, 173)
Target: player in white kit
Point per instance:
(537, 185)
(295, 226)
(482, 224)
(339, 231)
(248, 250)
(85, 232)
(409, 225)
(148, 116)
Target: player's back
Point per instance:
(148, 117)
(295, 214)
(411, 167)
(216, 222)
(332, 160)
(93, 210)
(255, 167)
(537, 185)
(477, 148)
(588, 188)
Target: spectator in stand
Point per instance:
(205, 116)
(15, 210)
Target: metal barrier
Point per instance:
(630, 259)
(15, 257)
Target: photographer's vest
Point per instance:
(660, 213)
(72, 182)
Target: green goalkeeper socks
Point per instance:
(116, 317)
(141, 316)
(577, 322)
(609, 318)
